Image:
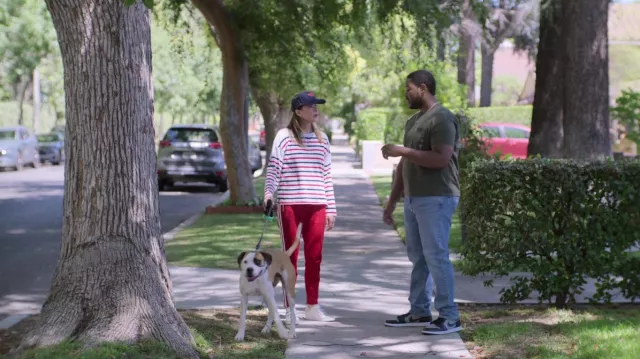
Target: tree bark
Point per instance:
(275, 114)
(547, 119)
(37, 103)
(486, 83)
(234, 104)
(586, 80)
(23, 96)
(466, 55)
(111, 283)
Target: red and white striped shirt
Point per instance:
(301, 174)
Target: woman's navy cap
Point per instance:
(305, 98)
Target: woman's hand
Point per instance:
(329, 222)
(268, 201)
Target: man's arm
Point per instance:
(398, 185)
(443, 137)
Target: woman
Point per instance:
(300, 171)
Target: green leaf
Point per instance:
(148, 3)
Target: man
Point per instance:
(428, 175)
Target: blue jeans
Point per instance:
(427, 223)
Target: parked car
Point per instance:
(18, 147)
(506, 138)
(51, 147)
(193, 153)
(263, 140)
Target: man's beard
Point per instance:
(415, 104)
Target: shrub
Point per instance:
(560, 220)
(510, 114)
(627, 112)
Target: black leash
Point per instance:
(268, 217)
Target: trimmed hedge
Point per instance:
(371, 123)
(560, 220)
(510, 114)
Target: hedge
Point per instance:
(509, 114)
(561, 221)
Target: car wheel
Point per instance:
(223, 186)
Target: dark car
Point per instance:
(193, 153)
(51, 147)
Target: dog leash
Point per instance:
(268, 217)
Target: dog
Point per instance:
(260, 273)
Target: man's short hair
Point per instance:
(425, 77)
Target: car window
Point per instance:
(191, 135)
(7, 135)
(491, 132)
(47, 138)
(512, 132)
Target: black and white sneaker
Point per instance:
(408, 320)
(442, 326)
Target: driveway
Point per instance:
(31, 224)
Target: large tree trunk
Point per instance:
(275, 114)
(466, 54)
(234, 104)
(486, 83)
(586, 79)
(546, 123)
(111, 282)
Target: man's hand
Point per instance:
(387, 216)
(329, 222)
(391, 150)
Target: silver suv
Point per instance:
(193, 153)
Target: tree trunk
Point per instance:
(234, 104)
(23, 95)
(466, 56)
(442, 48)
(275, 114)
(111, 282)
(546, 124)
(586, 80)
(36, 100)
(487, 75)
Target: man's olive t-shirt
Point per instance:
(423, 131)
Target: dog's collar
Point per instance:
(258, 276)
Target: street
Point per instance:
(31, 224)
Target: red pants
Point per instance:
(312, 217)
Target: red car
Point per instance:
(506, 138)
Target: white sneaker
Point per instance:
(287, 316)
(315, 313)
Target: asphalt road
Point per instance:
(31, 225)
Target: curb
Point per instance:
(12, 320)
(191, 220)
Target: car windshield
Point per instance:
(47, 138)
(191, 135)
(7, 134)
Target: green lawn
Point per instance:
(382, 185)
(530, 332)
(214, 332)
(215, 240)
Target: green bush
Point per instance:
(560, 220)
(627, 112)
(510, 114)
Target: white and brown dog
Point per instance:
(260, 272)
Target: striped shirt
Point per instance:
(301, 174)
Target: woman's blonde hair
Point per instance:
(295, 128)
